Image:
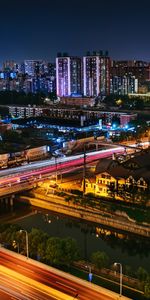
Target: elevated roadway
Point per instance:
(38, 281)
(20, 178)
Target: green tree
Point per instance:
(147, 288)
(142, 274)
(70, 251)
(54, 252)
(100, 259)
(11, 136)
(52, 96)
(9, 233)
(37, 240)
(4, 111)
(128, 270)
(41, 251)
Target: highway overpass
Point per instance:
(34, 280)
(25, 177)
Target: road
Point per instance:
(33, 275)
(51, 164)
(12, 179)
(20, 290)
(41, 169)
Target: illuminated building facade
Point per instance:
(68, 75)
(139, 69)
(122, 85)
(10, 66)
(96, 74)
(93, 75)
(34, 67)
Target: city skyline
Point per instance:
(40, 29)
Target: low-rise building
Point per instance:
(78, 101)
(120, 180)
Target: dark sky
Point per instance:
(38, 29)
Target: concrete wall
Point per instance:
(79, 212)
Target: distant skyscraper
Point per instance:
(51, 77)
(29, 67)
(96, 74)
(10, 65)
(68, 75)
(34, 67)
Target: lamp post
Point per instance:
(27, 242)
(90, 272)
(120, 266)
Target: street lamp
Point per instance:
(27, 242)
(120, 266)
(90, 272)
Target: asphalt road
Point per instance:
(17, 179)
(11, 288)
(74, 289)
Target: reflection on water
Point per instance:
(123, 247)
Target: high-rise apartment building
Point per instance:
(139, 69)
(29, 67)
(96, 74)
(123, 85)
(51, 77)
(34, 67)
(10, 66)
(68, 75)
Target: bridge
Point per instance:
(35, 280)
(21, 178)
(26, 177)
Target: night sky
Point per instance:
(38, 29)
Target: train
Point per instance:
(9, 160)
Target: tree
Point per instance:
(52, 95)
(9, 233)
(11, 136)
(128, 270)
(111, 100)
(147, 288)
(41, 251)
(37, 239)
(70, 251)
(100, 259)
(4, 111)
(142, 274)
(54, 252)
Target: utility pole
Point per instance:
(84, 170)
(56, 169)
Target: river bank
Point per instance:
(58, 204)
(109, 277)
(130, 250)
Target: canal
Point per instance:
(125, 248)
